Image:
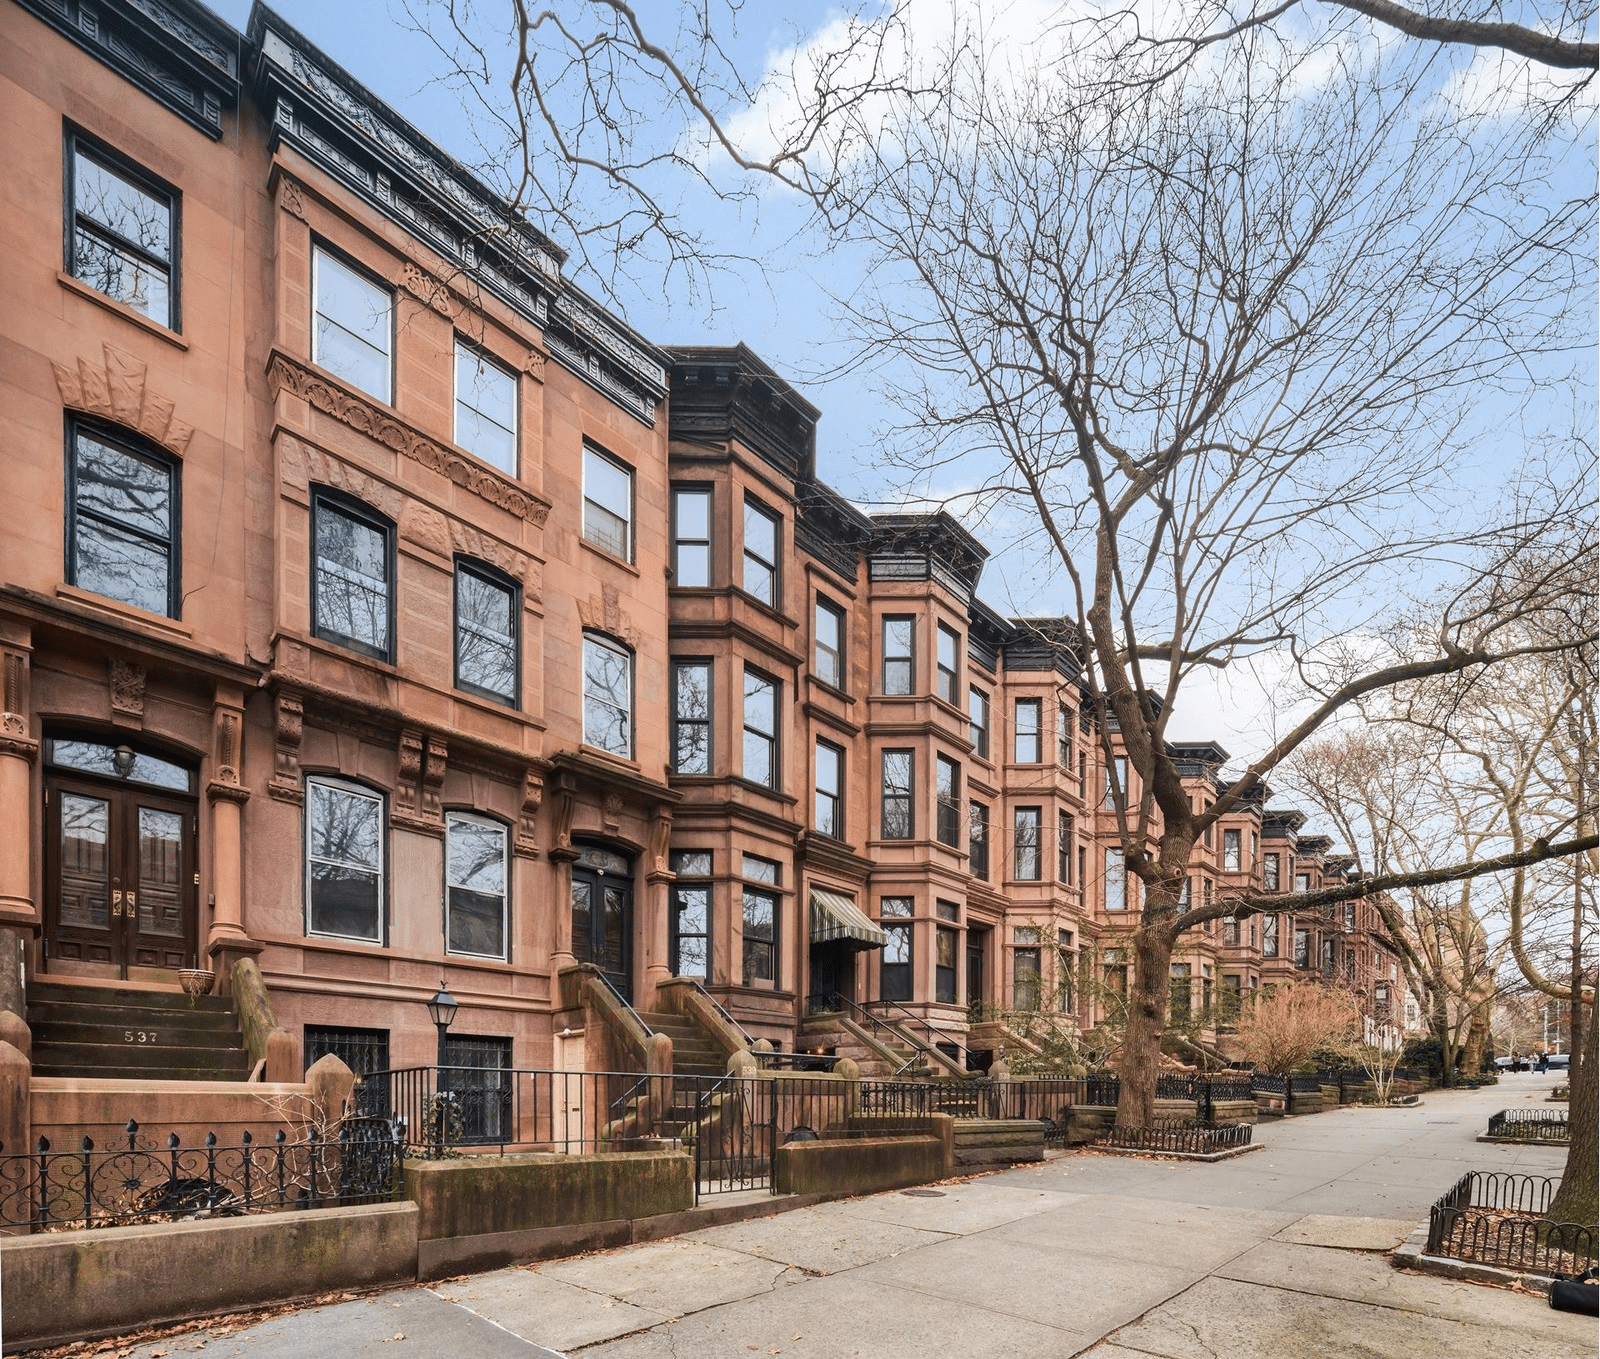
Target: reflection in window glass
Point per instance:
(122, 237)
(94, 758)
(760, 729)
(1026, 733)
(760, 943)
(486, 409)
(760, 553)
(827, 819)
(607, 504)
(898, 659)
(691, 717)
(1025, 845)
(1116, 880)
(691, 915)
(486, 635)
(475, 885)
(949, 648)
(897, 820)
(352, 330)
(828, 665)
(352, 579)
(344, 861)
(607, 696)
(122, 541)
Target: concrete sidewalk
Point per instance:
(1278, 1253)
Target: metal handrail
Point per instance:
(717, 1005)
(622, 1000)
(898, 1010)
(845, 1006)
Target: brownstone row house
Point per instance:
(376, 606)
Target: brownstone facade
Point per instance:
(378, 606)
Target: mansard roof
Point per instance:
(926, 547)
(725, 392)
(1313, 846)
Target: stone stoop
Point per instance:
(694, 1052)
(118, 1033)
(874, 1064)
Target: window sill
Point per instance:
(608, 556)
(124, 613)
(122, 309)
(760, 605)
(610, 757)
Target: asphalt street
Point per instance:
(1282, 1252)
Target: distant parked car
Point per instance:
(1511, 1063)
(1559, 1061)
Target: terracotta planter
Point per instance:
(196, 981)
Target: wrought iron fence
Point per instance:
(1165, 1135)
(1530, 1125)
(140, 1181)
(1494, 1218)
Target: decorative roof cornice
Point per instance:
(722, 393)
(179, 53)
(927, 547)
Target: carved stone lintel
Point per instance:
(119, 391)
(611, 813)
(290, 198)
(605, 614)
(364, 416)
(407, 774)
(428, 290)
(527, 843)
(289, 731)
(127, 691)
(435, 762)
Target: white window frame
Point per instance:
(482, 360)
(475, 819)
(346, 788)
(319, 256)
(594, 531)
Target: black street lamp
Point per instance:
(442, 1011)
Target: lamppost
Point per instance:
(442, 1011)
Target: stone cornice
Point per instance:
(326, 394)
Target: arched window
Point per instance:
(352, 591)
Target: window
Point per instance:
(1117, 782)
(364, 1051)
(487, 610)
(1026, 991)
(691, 717)
(760, 729)
(344, 861)
(899, 770)
(1116, 880)
(1063, 737)
(1269, 936)
(352, 325)
(1269, 873)
(829, 819)
(828, 665)
(1025, 732)
(760, 922)
(898, 657)
(607, 503)
(475, 885)
(945, 944)
(760, 553)
(1302, 948)
(122, 522)
(947, 791)
(124, 237)
(1230, 931)
(1231, 851)
(691, 536)
(1329, 957)
(1302, 882)
(1350, 915)
(978, 720)
(978, 840)
(1182, 991)
(352, 587)
(1066, 970)
(1025, 844)
(486, 409)
(1063, 846)
(949, 649)
(894, 968)
(688, 952)
(607, 695)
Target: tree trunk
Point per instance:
(1576, 1199)
(1477, 1040)
(1148, 992)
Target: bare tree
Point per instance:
(1288, 1025)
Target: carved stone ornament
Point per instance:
(611, 812)
(226, 750)
(660, 837)
(533, 365)
(605, 615)
(290, 197)
(409, 770)
(127, 689)
(428, 290)
(362, 415)
(118, 392)
(566, 804)
(289, 730)
(434, 765)
(528, 817)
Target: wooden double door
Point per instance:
(120, 878)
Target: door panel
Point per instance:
(160, 923)
(82, 895)
(602, 924)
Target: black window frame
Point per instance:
(132, 446)
(947, 801)
(610, 643)
(688, 879)
(77, 142)
(1063, 737)
(350, 787)
(947, 678)
(1018, 845)
(679, 721)
(1065, 829)
(826, 607)
(1271, 873)
(1116, 874)
(1233, 845)
(498, 580)
(1019, 734)
(897, 979)
(678, 540)
(978, 721)
(1116, 783)
(320, 247)
(902, 798)
(978, 840)
(907, 659)
(834, 796)
(946, 942)
(471, 815)
(774, 779)
(757, 889)
(774, 568)
(328, 498)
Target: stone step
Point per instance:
(56, 993)
(136, 1058)
(112, 1032)
(152, 1073)
(153, 1031)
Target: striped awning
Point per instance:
(835, 917)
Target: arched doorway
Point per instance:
(120, 865)
(602, 914)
